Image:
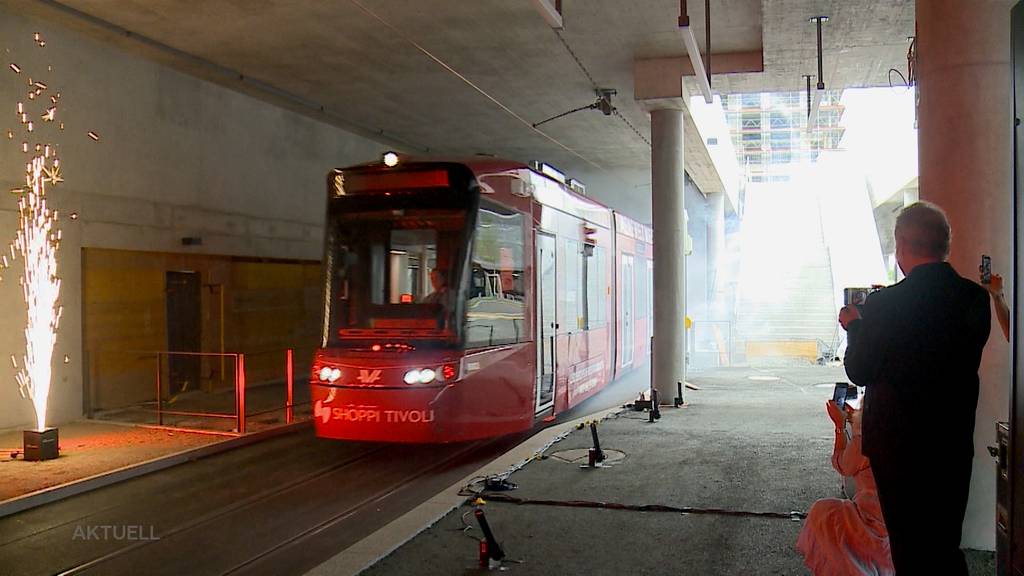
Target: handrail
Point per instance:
(239, 414)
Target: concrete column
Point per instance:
(667, 181)
(965, 145)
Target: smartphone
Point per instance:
(839, 394)
(986, 269)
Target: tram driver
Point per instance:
(439, 288)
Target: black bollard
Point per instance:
(493, 548)
(596, 454)
(655, 412)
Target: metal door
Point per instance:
(546, 321)
(183, 332)
(628, 336)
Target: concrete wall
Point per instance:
(268, 307)
(177, 157)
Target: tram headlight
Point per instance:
(420, 376)
(390, 159)
(335, 375)
(325, 373)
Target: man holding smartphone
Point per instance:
(994, 284)
(919, 339)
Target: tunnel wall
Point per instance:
(177, 157)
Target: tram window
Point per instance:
(572, 309)
(596, 287)
(641, 287)
(412, 256)
(496, 299)
(386, 261)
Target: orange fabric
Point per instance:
(848, 537)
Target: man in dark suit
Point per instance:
(917, 346)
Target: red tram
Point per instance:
(472, 299)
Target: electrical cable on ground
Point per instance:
(497, 497)
(469, 489)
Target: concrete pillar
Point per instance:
(667, 182)
(965, 146)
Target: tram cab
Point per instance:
(417, 273)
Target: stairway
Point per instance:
(785, 301)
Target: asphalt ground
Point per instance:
(708, 489)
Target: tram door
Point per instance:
(546, 321)
(628, 337)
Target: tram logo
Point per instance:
(370, 414)
(368, 376)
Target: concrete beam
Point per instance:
(665, 90)
(659, 74)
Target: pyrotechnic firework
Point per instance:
(36, 244)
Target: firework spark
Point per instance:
(37, 243)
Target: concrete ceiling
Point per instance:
(458, 77)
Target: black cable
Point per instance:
(902, 77)
(495, 497)
(631, 127)
(597, 88)
(574, 110)
(577, 59)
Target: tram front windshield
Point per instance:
(391, 263)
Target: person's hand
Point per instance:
(848, 314)
(837, 414)
(995, 287)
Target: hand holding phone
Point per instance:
(836, 413)
(986, 269)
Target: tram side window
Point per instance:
(641, 287)
(573, 309)
(596, 286)
(496, 301)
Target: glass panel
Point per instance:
(546, 319)
(626, 310)
(496, 303)
(596, 287)
(413, 253)
(572, 276)
(389, 265)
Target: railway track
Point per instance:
(280, 509)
